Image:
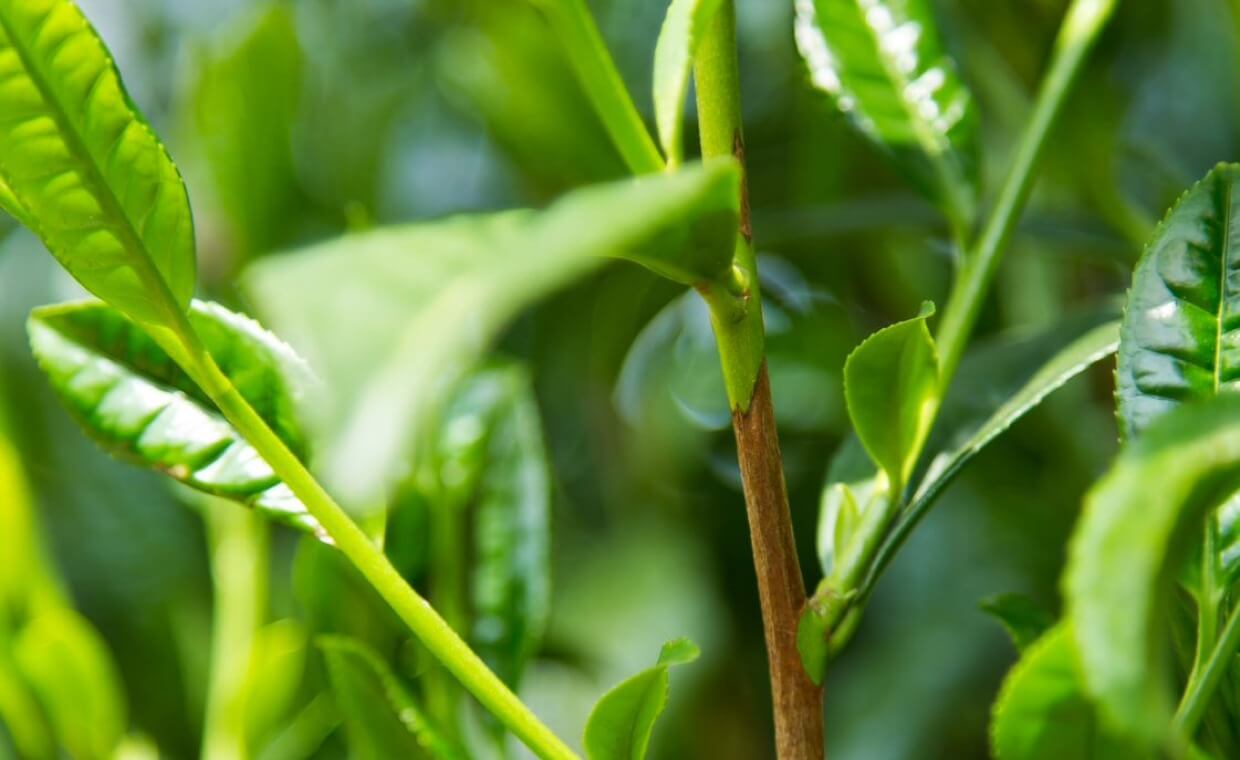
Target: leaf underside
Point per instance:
(83, 166)
(133, 399)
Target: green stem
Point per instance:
(1205, 680)
(574, 27)
(1082, 25)
(238, 547)
(435, 634)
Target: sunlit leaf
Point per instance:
(891, 383)
(884, 65)
(434, 296)
(277, 663)
(137, 403)
(1043, 713)
(1023, 618)
(10, 205)
(71, 672)
(381, 718)
(1180, 340)
(673, 58)
(96, 183)
(622, 722)
(1125, 552)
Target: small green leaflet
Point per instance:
(434, 296)
(1125, 550)
(673, 58)
(381, 718)
(133, 399)
(891, 384)
(80, 164)
(1022, 617)
(1043, 713)
(622, 722)
(884, 65)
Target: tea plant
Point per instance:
(391, 441)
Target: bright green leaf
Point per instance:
(883, 64)
(277, 663)
(1127, 547)
(434, 296)
(891, 384)
(71, 672)
(1043, 713)
(673, 59)
(1023, 618)
(10, 205)
(381, 718)
(1180, 338)
(622, 722)
(139, 404)
(853, 489)
(100, 189)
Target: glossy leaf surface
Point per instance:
(1180, 339)
(134, 400)
(1125, 551)
(1043, 713)
(434, 296)
(381, 719)
(891, 385)
(92, 177)
(673, 60)
(622, 722)
(883, 64)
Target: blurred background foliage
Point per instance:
(296, 121)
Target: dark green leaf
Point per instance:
(623, 720)
(1023, 618)
(1043, 713)
(70, 670)
(673, 58)
(90, 174)
(883, 64)
(139, 404)
(1127, 547)
(1180, 338)
(381, 718)
(433, 297)
(891, 383)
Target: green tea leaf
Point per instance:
(70, 670)
(91, 176)
(891, 384)
(1024, 619)
(622, 722)
(883, 64)
(493, 440)
(250, 159)
(381, 718)
(1180, 338)
(1126, 550)
(434, 296)
(10, 205)
(854, 488)
(139, 404)
(277, 664)
(673, 58)
(1043, 713)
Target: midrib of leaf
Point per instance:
(102, 191)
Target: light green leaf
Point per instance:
(1180, 338)
(622, 722)
(277, 663)
(434, 296)
(853, 489)
(10, 205)
(883, 64)
(381, 718)
(1127, 547)
(891, 384)
(258, 74)
(96, 183)
(1023, 618)
(71, 672)
(1043, 713)
(673, 59)
(492, 441)
(139, 404)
